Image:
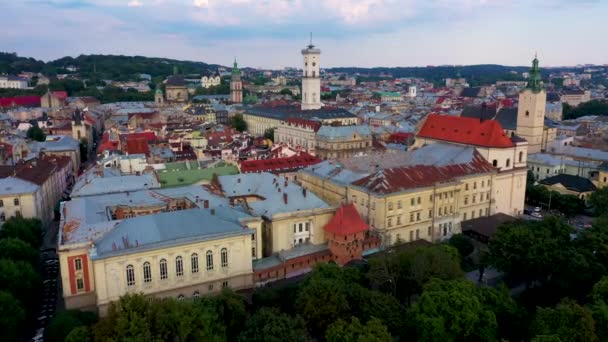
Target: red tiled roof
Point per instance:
(346, 221)
(314, 125)
(20, 101)
(402, 178)
(148, 136)
(286, 164)
(467, 131)
(61, 95)
(137, 145)
(143, 115)
(106, 144)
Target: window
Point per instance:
(1, 203)
(508, 163)
(225, 284)
(472, 214)
(130, 275)
(527, 113)
(489, 182)
(466, 187)
(464, 216)
(521, 156)
(300, 227)
(411, 236)
(80, 284)
(224, 257)
(430, 213)
(196, 295)
(17, 213)
(180, 297)
(495, 163)
(474, 185)
(163, 269)
(194, 262)
(428, 231)
(16, 201)
(417, 234)
(418, 216)
(440, 211)
(390, 222)
(480, 212)
(399, 206)
(147, 272)
(419, 200)
(431, 198)
(390, 205)
(466, 200)
(179, 266)
(412, 202)
(78, 264)
(411, 217)
(209, 260)
(398, 219)
(474, 198)
(210, 287)
(483, 183)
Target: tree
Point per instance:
(18, 250)
(568, 320)
(28, 230)
(342, 331)
(452, 310)
(79, 334)
(237, 122)
(532, 251)
(270, 324)
(84, 149)
(463, 244)
(286, 91)
(598, 200)
(269, 134)
(21, 280)
(231, 309)
(35, 133)
(12, 318)
(66, 322)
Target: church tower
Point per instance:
(236, 85)
(159, 99)
(531, 110)
(311, 79)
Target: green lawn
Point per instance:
(170, 178)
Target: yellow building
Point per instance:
(20, 198)
(569, 185)
(343, 141)
(422, 194)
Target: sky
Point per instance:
(271, 33)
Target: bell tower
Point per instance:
(531, 110)
(236, 85)
(311, 79)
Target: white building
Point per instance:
(13, 82)
(411, 91)
(210, 80)
(19, 198)
(311, 81)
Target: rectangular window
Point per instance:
(480, 212)
(483, 183)
(440, 211)
(466, 187)
(430, 213)
(411, 236)
(163, 269)
(472, 214)
(474, 197)
(464, 216)
(78, 264)
(390, 222)
(419, 200)
(411, 217)
(466, 200)
(399, 204)
(307, 226)
(417, 234)
(295, 228)
(398, 219)
(300, 227)
(431, 198)
(224, 284)
(474, 185)
(390, 205)
(80, 284)
(487, 211)
(412, 202)
(418, 216)
(428, 231)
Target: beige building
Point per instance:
(19, 198)
(297, 134)
(176, 89)
(575, 97)
(343, 141)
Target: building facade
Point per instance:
(298, 134)
(13, 82)
(343, 141)
(211, 80)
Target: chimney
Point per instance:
(212, 211)
(206, 204)
(238, 180)
(286, 183)
(285, 198)
(304, 192)
(484, 108)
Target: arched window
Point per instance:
(224, 257)
(147, 272)
(314, 73)
(521, 156)
(209, 260)
(196, 295)
(194, 262)
(179, 266)
(508, 162)
(163, 269)
(180, 297)
(130, 275)
(495, 163)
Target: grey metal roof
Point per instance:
(16, 186)
(343, 132)
(164, 230)
(570, 182)
(285, 112)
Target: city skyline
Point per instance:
(269, 34)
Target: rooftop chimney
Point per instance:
(212, 211)
(285, 198)
(206, 204)
(304, 192)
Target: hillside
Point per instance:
(101, 67)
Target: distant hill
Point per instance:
(100, 67)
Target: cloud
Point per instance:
(135, 3)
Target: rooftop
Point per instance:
(570, 182)
(468, 131)
(278, 165)
(99, 181)
(178, 174)
(343, 132)
(15, 186)
(346, 221)
(283, 112)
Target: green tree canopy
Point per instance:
(269, 134)
(21, 280)
(79, 334)
(451, 311)
(12, 319)
(568, 321)
(35, 133)
(28, 230)
(342, 331)
(237, 122)
(598, 201)
(65, 322)
(271, 325)
(18, 250)
(463, 244)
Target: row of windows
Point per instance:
(474, 198)
(15, 202)
(483, 184)
(179, 267)
(481, 213)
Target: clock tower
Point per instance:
(311, 79)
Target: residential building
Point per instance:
(574, 97)
(210, 79)
(343, 141)
(61, 145)
(53, 99)
(19, 197)
(548, 165)
(388, 96)
(570, 185)
(298, 134)
(13, 82)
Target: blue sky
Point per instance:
(270, 33)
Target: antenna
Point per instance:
(310, 46)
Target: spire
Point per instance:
(235, 69)
(534, 79)
(310, 46)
